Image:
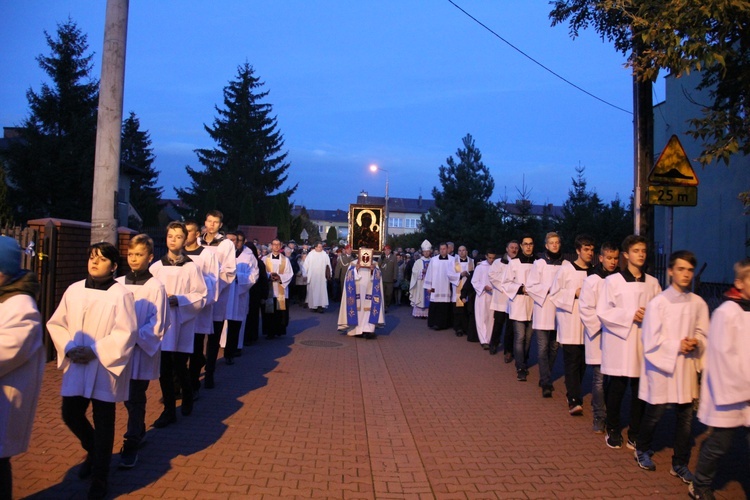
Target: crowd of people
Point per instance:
(167, 320)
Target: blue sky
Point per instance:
(396, 83)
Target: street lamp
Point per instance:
(375, 168)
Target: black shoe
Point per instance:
(521, 375)
(187, 407)
(166, 418)
(485, 347)
(208, 383)
(493, 349)
(508, 357)
(98, 489)
(369, 336)
(87, 467)
(128, 457)
(546, 392)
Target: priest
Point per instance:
(361, 309)
(439, 281)
(318, 270)
(418, 295)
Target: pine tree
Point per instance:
(582, 212)
(463, 212)
(51, 169)
(137, 155)
(247, 159)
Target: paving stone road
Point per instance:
(412, 414)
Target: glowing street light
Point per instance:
(375, 168)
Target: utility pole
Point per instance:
(643, 131)
(109, 124)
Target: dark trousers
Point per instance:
(136, 406)
(614, 392)
(497, 329)
(233, 338)
(716, 445)
(522, 343)
(388, 293)
(651, 417)
(460, 319)
(98, 439)
(574, 357)
(174, 364)
(275, 323)
(6, 479)
(197, 361)
(252, 322)
(546, 341)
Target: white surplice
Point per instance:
(495, 275)
(591, 292)
(725, 391)
(152, 311)
(667, 376)
(483, 314)
(622, 348)
(206, 261)
(538, 285)
(520, 306)
(441, 276)
(566, 284)
(105, 321)
(186, 283)
(315, 266)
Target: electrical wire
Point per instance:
(537, 62)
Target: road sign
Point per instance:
(673, 167)
(676, 196)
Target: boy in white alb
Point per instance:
(620, 310)
(538, 287)
(94, 330)
(186, 293)
(483, 313)
(152, 311)
(725, 387)
(591, 293)
(520, 305)
(565, 291)
(674, 336)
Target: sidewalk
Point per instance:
(412, 414)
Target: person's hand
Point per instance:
(81, 355)
(487, 288)
(173, 301)
(688, 345)
(578, 293)
(639, 315)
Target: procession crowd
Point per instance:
(168, 320)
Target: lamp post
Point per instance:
(375, 168)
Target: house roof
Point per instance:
(406, 205)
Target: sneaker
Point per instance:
(598, 426)
(613, 439)
(166, 418)
(631, 444)
(546, 392)
(643, 459)
(575, 410)
(683, 473)
(697, 493)
(508, 357)
(128, 458)
(521, 375)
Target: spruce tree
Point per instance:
(137, 155)
(463, 212)
(247, 160)
(582, 212)
(51, 169)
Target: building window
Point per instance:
(394, 222)
(412, 223)
(321, 229)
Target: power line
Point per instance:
(537, 62)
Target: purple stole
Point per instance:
(424, 290)
(352, 297)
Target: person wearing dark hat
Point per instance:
(21, 357)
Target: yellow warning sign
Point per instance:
(673, 167)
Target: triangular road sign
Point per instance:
(673, 167)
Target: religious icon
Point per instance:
(365, 257)
(365, 223)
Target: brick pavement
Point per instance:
(413, 414)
